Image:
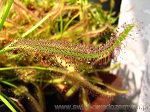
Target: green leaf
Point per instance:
(5, 101)
(6, 11)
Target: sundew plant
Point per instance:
(57, 43)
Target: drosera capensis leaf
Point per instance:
(72, 51)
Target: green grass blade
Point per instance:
(8, 6)
(8, 83)
(12, 102)
(5, 101)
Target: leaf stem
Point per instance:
(75, 76)
(7, 7)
